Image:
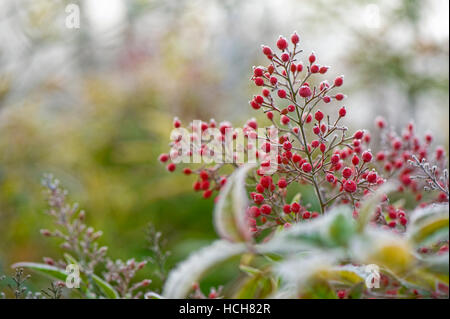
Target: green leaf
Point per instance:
(230, 218)
(356, 291)
(60, 274)
(249, 270)
(256, 287)
(105, 287)
(43, 269)
(342, 229)
(70, 259)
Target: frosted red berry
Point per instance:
(282, 44)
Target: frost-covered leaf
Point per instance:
(333, 230)
(230, 218)
(347, 274)
(429, 225)
(188, 272)
(153, 295)
(438, 264)
(383, 248)
(306, 277)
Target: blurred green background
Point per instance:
(94, 105)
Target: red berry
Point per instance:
(260, 188)
(358, 135)
(204, 175)
(284, 120)
(306, 215)
(287, 209)
(295, 207)
(273, 80)
(282, 94)
(259, 81)
(270, 115)
(341, 294)
(266, 50)
(339, 81)
(314, 68)
(266, 209)
(439, 152)
(258, 71)
(282, 44)
(367, 156)
(282, 183)
(323, 69)
(197, 186)
(428, 138)
(330, 178)
(355, 160)
(255, 105)
(403, 221)
(258, 198)
(204, 185)
(176, 123)
(339, 96)
(342, 111)
(299, 67)
(207, 193)
(285, 57)
(306, 167)
(266, 147)
(397, 144)
(350, 186)
(312, 58)
(295, 38)
(171, 167)
(327, 99)
(347, 172)
(335, 158)
(287, 146)
(323, 147)
(380, 156)
(163, 158)
(305, 91)
(187, 171)
(372, 177)
(380, 122)
(318, 116)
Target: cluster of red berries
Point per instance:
(314, 148)
(402, 156)
(209, 178)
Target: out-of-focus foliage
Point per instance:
(94, 105)
(332, 253)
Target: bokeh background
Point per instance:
(94, 105)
